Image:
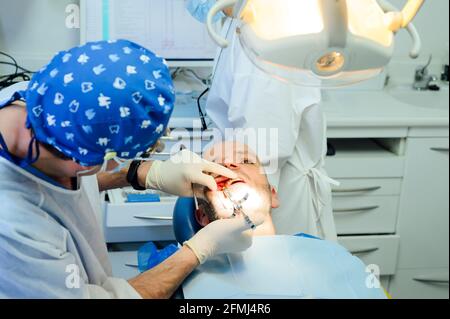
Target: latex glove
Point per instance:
(177, 175)
(222, 236)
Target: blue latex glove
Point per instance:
(149, 256)
(199, 9)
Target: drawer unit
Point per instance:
(124, 264)
(358, 187)
(374, 250)
(138, 215)
(423, 283)
(365, 214)
(363, 159)
(135, 222)
(139, 234)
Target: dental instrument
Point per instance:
(237, 207)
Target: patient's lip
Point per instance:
(233, 182)
(221, 181)
(225, 182)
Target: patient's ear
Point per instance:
(201, 217)
(275, 199)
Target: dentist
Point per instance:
(91, 104)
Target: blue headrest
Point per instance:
(184, 223)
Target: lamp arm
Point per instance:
(219, 6)
(410, 11)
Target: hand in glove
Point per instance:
(176, 175)
(222, 236)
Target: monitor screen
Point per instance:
(163, 26)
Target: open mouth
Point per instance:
(227, 183)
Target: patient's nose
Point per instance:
(231, 166)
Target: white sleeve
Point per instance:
(45, 272)
(35, 263)
(113, 288)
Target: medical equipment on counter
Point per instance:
(123, 195)
(138, 221)
(319, 43)
(189, 111)
(143, 198)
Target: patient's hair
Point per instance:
(206, 207)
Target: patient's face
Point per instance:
(251, 182)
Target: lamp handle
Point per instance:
(411, 28)
(400, 20)
(219, 6)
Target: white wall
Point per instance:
(32, 30)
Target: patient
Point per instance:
(251, 182)
(299, 267)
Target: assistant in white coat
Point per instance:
(243, 96)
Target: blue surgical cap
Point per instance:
(99, 98)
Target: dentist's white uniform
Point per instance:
(243, 96)
(41, 237)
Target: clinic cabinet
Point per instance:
(365, 204)
(423, 225)
(392, 209)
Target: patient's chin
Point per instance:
(265, 229)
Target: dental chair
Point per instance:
(185, 224)
(244, 276)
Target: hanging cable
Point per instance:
(200, 111)
(20, 67)
(10, 79)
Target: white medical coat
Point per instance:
(243, 96)
(51, 243)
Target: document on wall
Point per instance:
(163, 26)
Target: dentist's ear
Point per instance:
(275, 199)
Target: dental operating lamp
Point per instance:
(321, 43)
